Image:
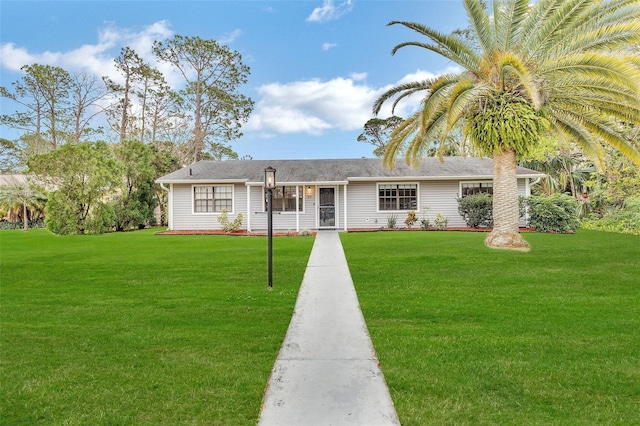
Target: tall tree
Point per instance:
(84, 176)
(10, 156)
(156, 100)
(213, 74)
(131, 67)
(54, 83)
(135, 200)
(377, 132)
(163, 115)
(43, 95)
(86, 94)
(557, 66)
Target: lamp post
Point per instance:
(270, 184)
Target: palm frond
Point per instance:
(602, 14)
(398, 137)
(427, 135)
(511, 65)
(609, 66)
(508, 17)
(452, 47)
(481, 24)
(605, 37)
(615, 139)
(550, 32)
(463, 96)
(407, 88)
(569, 128)
(534, 18)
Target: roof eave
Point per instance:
(177, 180)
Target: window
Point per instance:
(284, 199)
(210, 199)
(403, 196)
(470, 188)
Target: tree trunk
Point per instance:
(125, 116)
(506, 215)
(198, 133)
(25, 219)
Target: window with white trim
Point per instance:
(212, 199)
(284, 199)
(398, 196)
(470, 188)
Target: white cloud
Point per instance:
(311, 106)
(230, 37)
(316, 106)
(327, 46)
(94, 59)
(329, 11)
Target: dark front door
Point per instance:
(327, 207)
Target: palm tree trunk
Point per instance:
(506, 214)
(25, 219)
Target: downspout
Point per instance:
(169, 205)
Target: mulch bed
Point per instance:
(458, 229)
(241, 233)
(296, 234)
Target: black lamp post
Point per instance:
(270, 184)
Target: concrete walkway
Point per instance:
(327, 372)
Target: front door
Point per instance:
(327, 207)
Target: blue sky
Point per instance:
(316, 65)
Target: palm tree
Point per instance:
(565, 172)
(559, 67)
(18, 194)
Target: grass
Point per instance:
(136, 328)
(470, 335)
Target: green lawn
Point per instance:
(134, 328)
(470, 335)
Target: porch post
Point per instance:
(298, 208)
(345, 207)
(248, 208)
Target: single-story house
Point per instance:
(326, 194)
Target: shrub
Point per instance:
(63, 217)
(38, 223)
(553, 213)
(391, 221)
(440, 222)
(305, 233)
(227, 226)
(411, 218)
(476, 209)
(625, 220)
(100, 220)
(425, 224)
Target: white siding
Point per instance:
(436, 196)
(362, 207)
(282, 221)
(185, 219)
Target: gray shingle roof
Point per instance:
(340, 170)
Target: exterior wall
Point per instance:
(361, 208)
(282, 221)
(436, 196)
(433, 197)
(185, 219)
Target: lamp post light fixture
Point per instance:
(270, 184)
